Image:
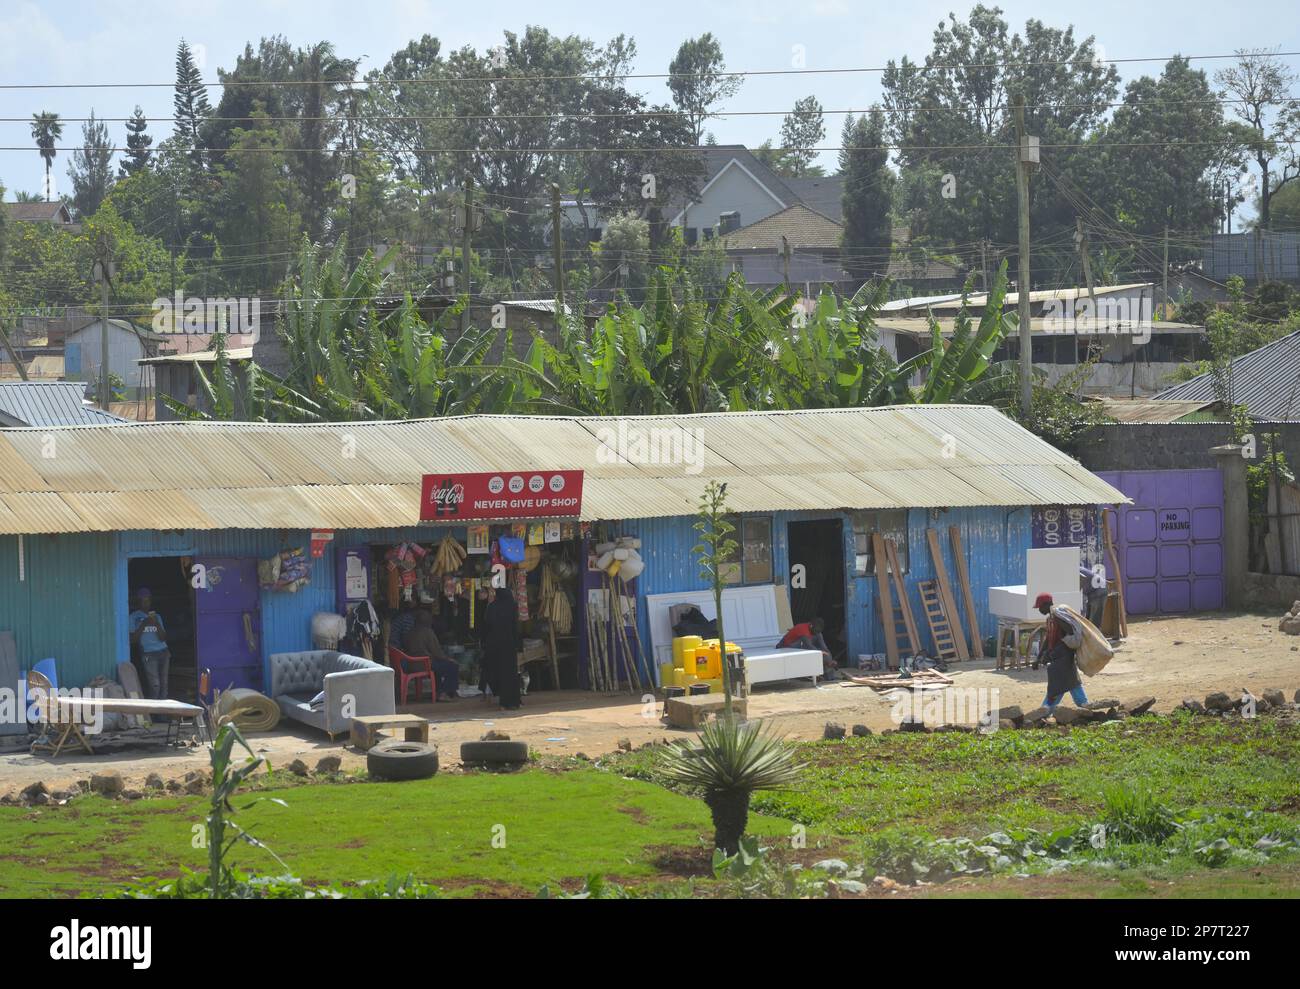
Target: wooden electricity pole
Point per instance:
(465, 236)
(13, 354)
(1026, 155)
(1081, 238)
(103, 271)
(1164, 307)
(557, 242)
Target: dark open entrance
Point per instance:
(818, 545)
(167, 577)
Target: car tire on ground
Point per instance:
(398, 760)
(493, 753)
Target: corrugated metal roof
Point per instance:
(1150, 409)
(199, 356)
(1266, 381)
(1045, 295)
(1042, 326)
(48, 403)
(181, 475)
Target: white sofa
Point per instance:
(353, 687)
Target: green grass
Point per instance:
(1232, 782)
(957, 784)
(887, 798)
(558, 828)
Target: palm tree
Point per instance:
(732, 761)
(46, 131)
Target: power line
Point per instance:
(637, 114)
(560, 150)
(619, 77)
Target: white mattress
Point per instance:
(767, 665)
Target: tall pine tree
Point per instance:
(190, 106)
(138, 142)
(91, 168)
(868, 187)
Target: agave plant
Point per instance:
(731, 762)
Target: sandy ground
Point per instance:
(1170, 658)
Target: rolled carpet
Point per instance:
(248, 709)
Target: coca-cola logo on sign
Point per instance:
(447, 497)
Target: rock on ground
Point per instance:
(108, 784)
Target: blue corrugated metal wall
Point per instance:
(995, 540)
(286, 618)
(85, 576)
(63, 608)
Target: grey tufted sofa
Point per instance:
(353, 687)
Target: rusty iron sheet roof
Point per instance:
(211, 475)
(1151, 409)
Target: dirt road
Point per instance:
(1170, 658)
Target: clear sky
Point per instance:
(79, 41)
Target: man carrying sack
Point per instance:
(1061, 640)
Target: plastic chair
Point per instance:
(423, 671)
(46, 667)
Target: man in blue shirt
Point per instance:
(148, 633)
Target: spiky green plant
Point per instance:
(731, 762)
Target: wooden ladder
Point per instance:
(940, 628)
(901, 638)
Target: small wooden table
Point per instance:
(365, 730)
(1009, 656)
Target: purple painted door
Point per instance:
(1170, 540)
(228, 623)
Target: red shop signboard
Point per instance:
(544, 494)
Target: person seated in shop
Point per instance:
(808, 635)
(399, 625)
(423, 641)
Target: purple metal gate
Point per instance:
(1170, 540)
(228, 626)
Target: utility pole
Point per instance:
(1081, 238)
(103, 271)
(465, 236)
(1026, 155)
(984, 264)
(1164, 308)
(557, 242)
(785, 259)
(13, 354)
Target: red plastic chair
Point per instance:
(423, 671)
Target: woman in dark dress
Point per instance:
(501, 649)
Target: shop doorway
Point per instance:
(167, 578)
(818, 545)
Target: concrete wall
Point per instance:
(1117, 380)
(1173, 445)
(1266, 590)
